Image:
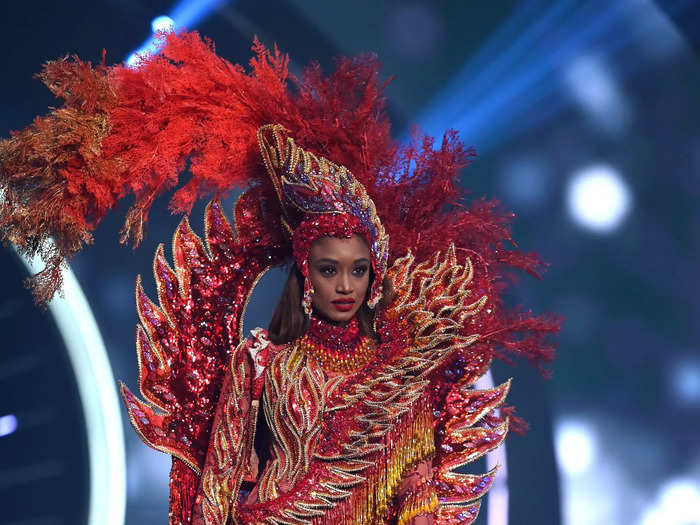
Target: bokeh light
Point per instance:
(678, 503)
(593, 87)
(685, 381)
(575, 446)
(598, 198)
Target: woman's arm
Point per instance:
(231, 457)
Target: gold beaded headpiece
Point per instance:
(319, 198)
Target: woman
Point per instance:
(365, 425)
(366, 377)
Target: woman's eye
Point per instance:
(360, 270)
(327, 270)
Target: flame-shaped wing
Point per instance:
(462, 442)
(184, 344)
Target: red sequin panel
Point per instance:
(183, 486)
(185, 343)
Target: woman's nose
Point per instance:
(343, 284)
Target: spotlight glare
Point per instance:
(678, 503)
(186, 14)
(132, 60)
(681, 498)
(8, 424)
(162, 23)
(575, 445)
(598, 198)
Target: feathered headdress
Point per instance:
(123, 131)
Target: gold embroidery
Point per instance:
(232, 436)
(276, 148)
(293, 405)
(392, 431)
(346, 364)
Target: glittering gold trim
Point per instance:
(182, 266)
(208, 212)
(487, 400)
(449, 513)
(348, 363)
(159, 258)
(319, 171)
(294, 418)
(145, 336)
(244, 308)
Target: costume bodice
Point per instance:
(300, 384)
(324, 431)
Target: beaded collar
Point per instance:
(337, 348)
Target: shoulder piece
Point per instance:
(434, 303)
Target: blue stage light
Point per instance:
(185, 14)
(525, 182)
(98, 396)
(678, 503)
(8, 424)
(513, 82)
(190, 12)
(593, 86)
(576, 447)
(685, 381)
(162, 23)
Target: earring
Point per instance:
(375, 296)
(308, 296)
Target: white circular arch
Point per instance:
(98, 397)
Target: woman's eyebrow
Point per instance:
(326, 260)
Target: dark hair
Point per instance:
(289, 321)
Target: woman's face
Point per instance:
(339, 271)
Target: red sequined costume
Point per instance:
(363, 431)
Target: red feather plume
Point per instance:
(123, 131)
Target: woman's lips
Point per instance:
(343, 305)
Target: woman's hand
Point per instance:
(415, 487)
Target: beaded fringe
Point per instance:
(409, 443)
